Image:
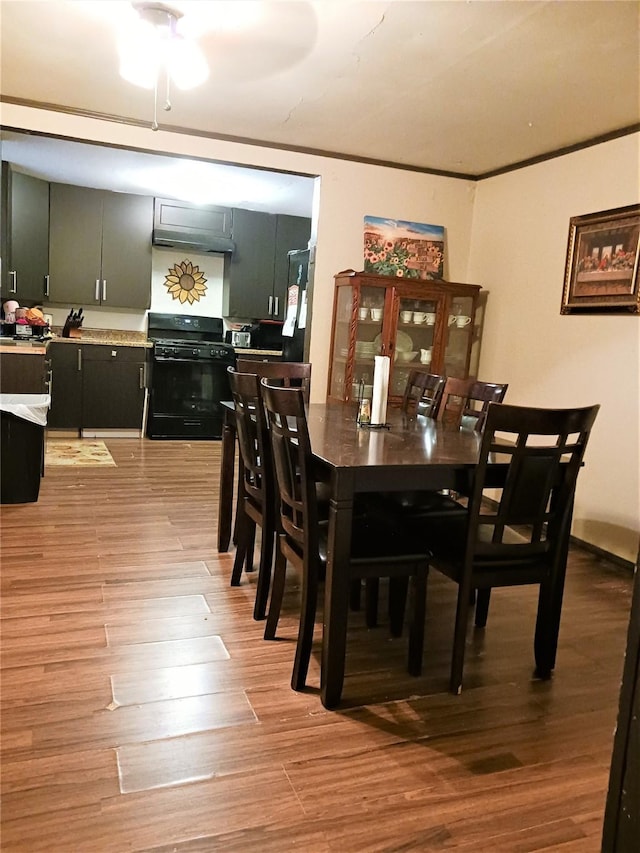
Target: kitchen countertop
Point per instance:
(110, 337)
(23, 347)
(240, 351)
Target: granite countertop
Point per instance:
(240, 351)
(109, 337)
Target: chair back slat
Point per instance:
(423, 393)
(543, 451)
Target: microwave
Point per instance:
(240, 339)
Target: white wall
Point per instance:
(518, 251)
(511, 240)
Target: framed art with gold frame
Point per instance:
(601, 272)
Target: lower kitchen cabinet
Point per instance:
(97, 386)
(113, 380)
(66, 386)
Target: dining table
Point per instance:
(408, 453)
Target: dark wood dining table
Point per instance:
(412, 453)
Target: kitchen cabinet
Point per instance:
(113, 386)
(66, 386)
(96, 386)
(430, 325)
(25, 237)
(100, 248)
(256, 285)
(206, 227)
(24, 370)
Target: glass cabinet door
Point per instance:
(414, 339)
(353, 354)
(459, 335)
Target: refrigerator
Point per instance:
(297, 314)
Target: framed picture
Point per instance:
(404, 249)
(601, 273)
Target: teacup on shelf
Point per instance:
(406, 316)
(376, 314)
(419, 316)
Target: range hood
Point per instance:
(203, 228)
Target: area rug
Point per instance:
(77, 452)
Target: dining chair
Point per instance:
(256, 498)
(379, 548)
(521, 534)
(453, 400)
(476, 403)
(288, 373)
(422, 393)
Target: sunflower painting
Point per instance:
(185, 282)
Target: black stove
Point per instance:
(189, 376)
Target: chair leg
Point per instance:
(482, 607)
(547, 630)
(354, 594)
(371, 593)
(418, 593)
(243, 524)
(264, 572)
(398, 590)
(307, 624)
(459, 640)
(248, 566)
(277, 594)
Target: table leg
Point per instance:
(337, 585)
(227, 470)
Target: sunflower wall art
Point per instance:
(185, 282)
(403, 249)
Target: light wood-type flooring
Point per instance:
(142, 710)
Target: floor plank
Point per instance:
(142, 710)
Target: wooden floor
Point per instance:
(142, 710)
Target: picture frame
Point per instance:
(601, 271)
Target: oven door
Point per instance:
(185, 398)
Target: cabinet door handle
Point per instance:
(13, 287)
(142, 378)
(277, 311)
(79, 359)
(46, 285)
(270, 311)
(97, 290)
(104, 290)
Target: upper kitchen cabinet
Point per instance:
(256, 283)
(25, 237)
(100, 247)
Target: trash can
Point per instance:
(23, 418)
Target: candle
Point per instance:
(380, 390)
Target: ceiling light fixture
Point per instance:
(153, 51)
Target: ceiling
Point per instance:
(454, 86)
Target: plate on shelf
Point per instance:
(403, 342)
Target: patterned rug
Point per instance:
(77, 452)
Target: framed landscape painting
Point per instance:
(410, 250)
(601, 272)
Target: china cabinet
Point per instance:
(430, 325)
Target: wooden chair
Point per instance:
(482, 550)
(453, 401)
(256, 498)
(379, 548)
(291, 374)
(476, 404)
(422, 393)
